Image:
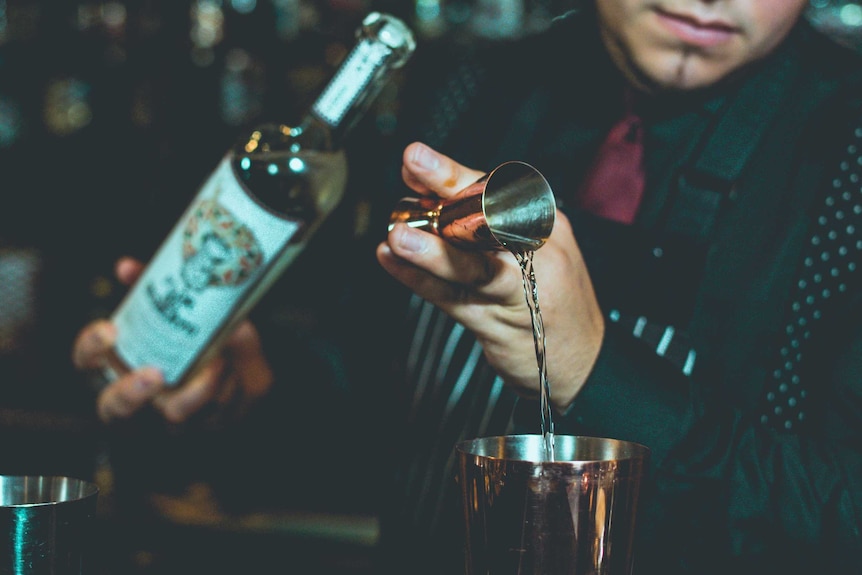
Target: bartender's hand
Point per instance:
(222, 390)
(485, 292)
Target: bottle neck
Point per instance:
(384, 45)
(350, 92)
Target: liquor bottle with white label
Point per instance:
(251, 218)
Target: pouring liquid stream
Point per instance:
(531, 292)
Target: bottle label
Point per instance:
(215, 255)
(351, 80)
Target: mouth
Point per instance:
(695, 31)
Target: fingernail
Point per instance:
(411, 240)
(144, 383)
(96, 338)
(148, 379)
(425, 158)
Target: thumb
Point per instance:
(426, 170)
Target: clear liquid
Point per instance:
(291, 175)
(531, 292)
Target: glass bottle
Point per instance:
(251, 218)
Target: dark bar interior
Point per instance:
(106, 104)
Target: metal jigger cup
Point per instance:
(512, 207)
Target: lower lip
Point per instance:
(704, 37)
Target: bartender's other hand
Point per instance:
(221, 391)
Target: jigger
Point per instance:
(511, 207)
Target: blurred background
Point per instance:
(103, 104)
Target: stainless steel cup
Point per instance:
(47, 525)
(526, 515)
(511, 207)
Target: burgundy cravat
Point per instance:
(614, 186)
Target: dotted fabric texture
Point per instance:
(829, 264)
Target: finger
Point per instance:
(246, 378)
(179, 404)
(128, 270)
(435, 256)
(422, 283)
(228, 390)
(92, 344)
(128, 394)
(256, 375)
(425, 170)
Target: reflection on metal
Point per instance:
(48, 525)
(575, 514)
(511, 207)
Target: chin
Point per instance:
(675, 74)
(687, 83)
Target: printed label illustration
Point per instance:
(210, 260)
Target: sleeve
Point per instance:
(726, 493)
